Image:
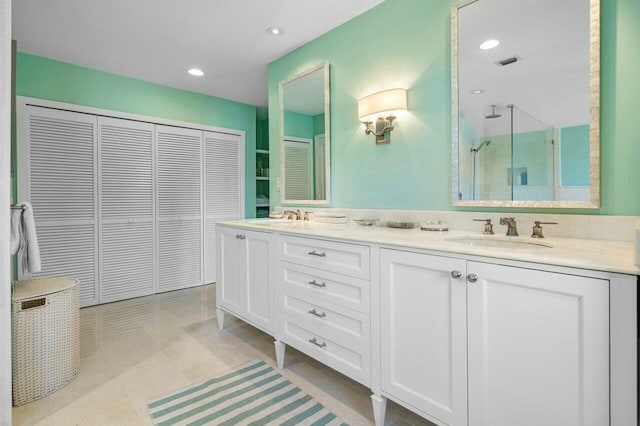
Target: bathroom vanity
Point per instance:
(459, 328)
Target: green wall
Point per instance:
(298, 125)
(44, 78)
(318, 124)
(574, 156)
(413, 51)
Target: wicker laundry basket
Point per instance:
(45, 336)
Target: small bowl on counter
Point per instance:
(366, 221)
(402, 224)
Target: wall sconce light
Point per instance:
(381, 104)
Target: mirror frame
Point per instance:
(324, 66)
(594, 123)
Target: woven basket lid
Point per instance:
(26, 289)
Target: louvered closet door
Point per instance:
(223, 190)
(125, 179)
(59, 161)
(297, 174)
(179, 201)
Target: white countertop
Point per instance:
(598, 255)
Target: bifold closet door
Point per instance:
(125, 177)
(223, 190)
(179, 212)
(57, 164)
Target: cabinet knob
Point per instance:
(472, 278)
(240, 236)
(456, 274)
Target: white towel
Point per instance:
(25, 240)
(17, 237)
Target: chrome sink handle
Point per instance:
(537, 229)
(488, 226)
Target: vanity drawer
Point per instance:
(344, 326)
(321, 285)
(342, 258)
(330, 348)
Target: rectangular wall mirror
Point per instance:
(304, 137)
(525, 103)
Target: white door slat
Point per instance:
(127, 256)
(126, 261)
(180, 253)
(70, 251)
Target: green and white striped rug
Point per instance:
(255, 394)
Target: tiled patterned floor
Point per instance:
(141, 348)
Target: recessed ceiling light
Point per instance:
(196, 72)
(275, 31)
(477, 91)
(489, 44)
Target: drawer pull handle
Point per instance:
(314, 312)
(315, 283)
(315, 253)
(318, 344)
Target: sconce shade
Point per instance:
(381, 102)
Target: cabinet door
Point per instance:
(538, 348)
(58, 164)
(229, 288)
(423, 330)
(257, 269)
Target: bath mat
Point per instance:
(254, 394)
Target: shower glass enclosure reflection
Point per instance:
(510, 158)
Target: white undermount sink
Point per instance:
(275, 223)
(498, 242)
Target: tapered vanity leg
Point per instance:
(280, 347)
(220, 318)
(379, 403)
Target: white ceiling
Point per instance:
(158, 40)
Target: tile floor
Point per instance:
(138, 349)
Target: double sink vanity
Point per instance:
(459, 327)
(462, 328)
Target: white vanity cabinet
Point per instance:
(538, 347)
(246, 262)
(323, 297)
(460, 339)
(423, 334)
(519, 346)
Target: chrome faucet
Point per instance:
(512, 229)
(290, 214)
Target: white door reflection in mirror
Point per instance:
(297, 168)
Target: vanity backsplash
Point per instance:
(611, 228)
